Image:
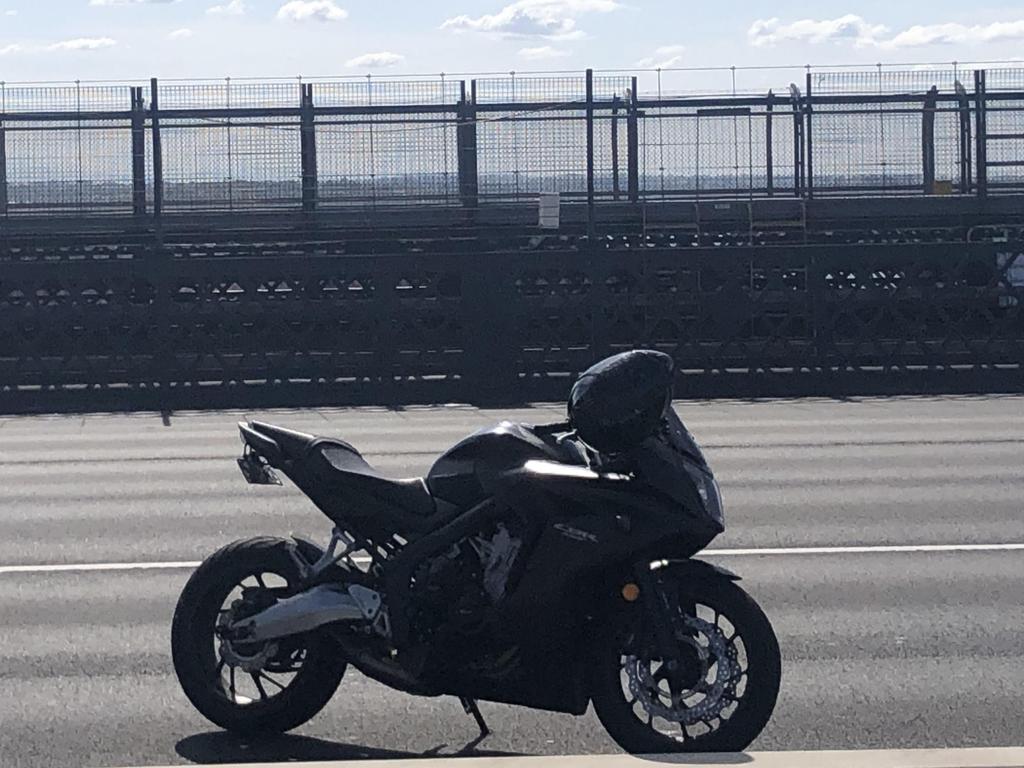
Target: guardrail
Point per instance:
(151, 324)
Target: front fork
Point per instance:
(661, 614)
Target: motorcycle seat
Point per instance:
(409, 494)
(347, 470)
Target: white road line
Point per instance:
(868, 550)
(760, 552)
(88, 567)
(917, 758)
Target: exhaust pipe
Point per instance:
(324, 604)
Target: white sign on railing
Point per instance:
(550, 206)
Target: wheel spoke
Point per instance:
(259, 685)
(269, 679)
(234, 696)
(259, 580)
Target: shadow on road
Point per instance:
(217, 748)
(732, 758)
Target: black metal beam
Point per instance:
(965, 146)
(632, 145)
(3, 169)
(138, 153)
(615, 150)
(307, 148)
(590, 151)
(466, 149)
(809, 138)
(158, 148)
(928, 141)
(769, 147)
(980, 133)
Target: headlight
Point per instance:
(709, 491)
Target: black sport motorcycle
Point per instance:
(543, 566)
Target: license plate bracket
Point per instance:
(256, 471)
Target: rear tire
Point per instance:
(754, 699)
(201, 671)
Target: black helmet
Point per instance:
(619, 402)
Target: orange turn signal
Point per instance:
(630, 593)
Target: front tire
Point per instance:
(723, 706)
(287, 682)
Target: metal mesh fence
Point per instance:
(1005, 149)
(717, 151)
(68, 165)
(568, 89)
(874, 148)
(65, 97)
(1004, 79)
(250, 144)
(524, 154)
(368, 91)
(886, 81)
(231, 162)
(379, 158)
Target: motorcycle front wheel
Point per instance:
(714, 692)
(249, 688)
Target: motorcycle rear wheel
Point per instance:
(288, 682)
(726, 680)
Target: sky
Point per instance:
(134, 39)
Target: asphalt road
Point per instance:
(882, 650)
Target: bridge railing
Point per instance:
(147, 148)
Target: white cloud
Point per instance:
(665, 57)
(83, 44)
(378, 60)
(179, 34)
(9, 49)
(10, 13)
(856, 30)
(131, 2)
(311, 10)
(947, 34)
(549, 19)
(543, 52)
(848, 28)
(232, 8)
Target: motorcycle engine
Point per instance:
(452, 592)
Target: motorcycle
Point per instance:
(551, 567)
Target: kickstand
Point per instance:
(472, 709)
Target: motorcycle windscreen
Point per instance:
(679, 437)
(666, 463)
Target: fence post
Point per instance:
(928, 139)
(465, 139)
(158, 148)
(769, 151)
(964, 109)
(307, 147)
(616, 103)
(590, 152)
(798, 140)
(633, 146)
(809, 140)
(138, 153)
(981, 132)
(3, 170)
